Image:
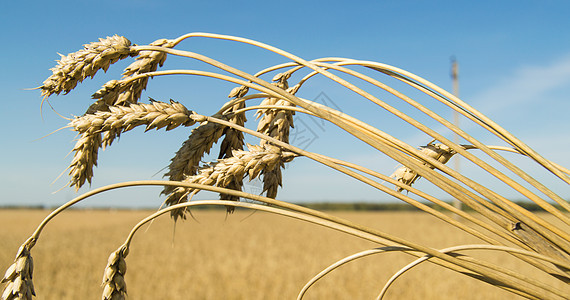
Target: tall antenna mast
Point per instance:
(455, 78)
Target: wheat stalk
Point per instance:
(459, 106)
(452, 250)
(317, 218)
(370, 139)
(505, 204)
(528, 237)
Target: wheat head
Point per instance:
(437, 151)
(233, 140)
(114, 285)
(77, 66)
(112, 123)
(18, 277)
(276, 124)
(222, 173)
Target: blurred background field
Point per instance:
(246, 256)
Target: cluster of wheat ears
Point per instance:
(500, 224)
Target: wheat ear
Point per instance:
(77, 66)
(275, 123)
(18, 277)
(437, 151)
(118, 119)
(124, 92)
(147, 61)
(114, 286)
(234, 140)
(156, 114)
(85, 158)
(186, 161)
(224, 171)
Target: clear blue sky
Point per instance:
(514, 66)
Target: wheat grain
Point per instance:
(114, 286)
(77, 66)
(437, 151)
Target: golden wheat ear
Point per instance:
(73, 68)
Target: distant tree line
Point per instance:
(331, 206)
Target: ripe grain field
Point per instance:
(259, 256)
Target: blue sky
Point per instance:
(514, 61)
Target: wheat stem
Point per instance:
(519, 252)
(451, 250)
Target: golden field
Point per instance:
(246, 256)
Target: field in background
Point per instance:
(259, 256)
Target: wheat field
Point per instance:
(246, 256)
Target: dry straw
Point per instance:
(504, 226)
